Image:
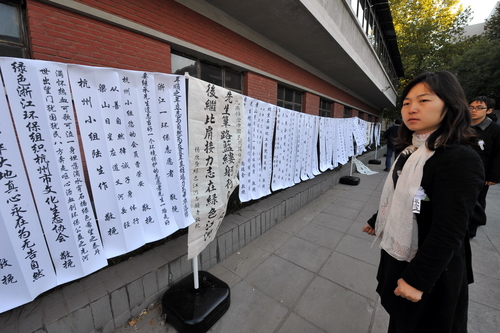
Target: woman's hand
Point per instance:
(369, 230)
(406, 291)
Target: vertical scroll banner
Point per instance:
(284, 150)
(149, 203)
(216, 144)
(40, 101)
(99, 109)
(245, 173)
(266, 123)
(359, 132)
(348, 131)
(151, 137)
(340, 146)
(26, 270)
(326, 144)
(171, 105)
(376, 133)
(257, 138)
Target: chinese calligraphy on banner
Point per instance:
(25, 267)
(40, 101)
(99, 108)
(135, 139)
(216, 142)
(145, 181)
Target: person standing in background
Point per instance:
(488, 148)
(390, 135)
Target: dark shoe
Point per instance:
(387, 169)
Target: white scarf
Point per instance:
(396, 223)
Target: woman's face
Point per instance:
(422, 110)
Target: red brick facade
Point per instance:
(260, 87)
(60, 35)
(310, 103)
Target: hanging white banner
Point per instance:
(155, 166)
(245, 174)
(98, 104)
(281, 161)
(268, 114)
(26, 270)
(148, 204)
(216, 143)
(171, 106)
(40, 100)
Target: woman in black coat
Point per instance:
(428, 198)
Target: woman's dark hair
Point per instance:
(456, 125)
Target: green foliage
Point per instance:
(429, 36)
(427, 32)
(493, 26)
(478, 67)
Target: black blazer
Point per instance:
(452, 179)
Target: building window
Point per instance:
(289, 98)
(206, 71)
(12, 30)
(347, 112)
(325, 108)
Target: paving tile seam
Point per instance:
(350, 256)
(351, 290)
(482, 304)
(493, 243)
(292, 308)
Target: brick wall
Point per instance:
(260, 87)
(310, 104)
(59, 35)
(338, 110)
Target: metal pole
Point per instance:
(195, 273)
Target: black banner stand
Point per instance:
(375, 161)
(196, 309)
(350, 180)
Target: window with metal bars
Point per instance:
(289, 98)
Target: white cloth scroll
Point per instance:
(361, 168)
(350, 126)
(99, 108)
(359, 132)
(216, 142)
(171, 106)
(26, 270)
(314, 146)
(306, 173)
(376, 133)
(282, 149)
(285, 149)
(257, 139)
(329, 137)
(245, 174)
(148, 205)
(40, 100)
(325, 160)
(268, 114)
(308, 142)
(299, 147)
(155, 166)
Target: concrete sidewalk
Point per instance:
(315, 271)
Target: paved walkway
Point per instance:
(315, 271)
